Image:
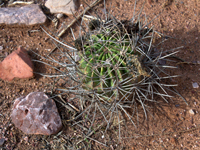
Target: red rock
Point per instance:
(18, 64)
(36, 114)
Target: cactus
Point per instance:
(117, 71)
(109, 55)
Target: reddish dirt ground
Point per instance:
(172, 127)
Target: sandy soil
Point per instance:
(172, 127)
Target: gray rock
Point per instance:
(27, 15)
(62, 6)
(2, 140)
(36, 114)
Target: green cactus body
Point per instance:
(106, 59)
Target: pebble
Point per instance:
(177, 105)
(2, 140)
(195, 85)
(173, 140)
(1, 48)
(191, 112)
(26, 139)
(59, 16)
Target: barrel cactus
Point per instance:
(111, 56)
(112, 69)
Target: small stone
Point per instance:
(18, 64)
(1, 48)
(59, 16)
(177, 105)
(26, 15)
(150, 2)
(26, 139)
(191, 112)
(67, 7)
(2, 140)
(195, 85)
(173, 140)
(36, 114)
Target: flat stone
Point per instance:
(36, 114)
(26, 15)
(18, 64)
(67, 7)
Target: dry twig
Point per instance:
(78, 17)
(20, 3)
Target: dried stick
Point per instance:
(20, 3)
(78, 17)
(101, 125)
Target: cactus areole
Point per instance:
(109, 54)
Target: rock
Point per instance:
(150, 2)
(191, 112)
(173, 141)
(59, 16)
(2, 140)
(1, 48)
(36, 114)
(195, 85)
(177, 105)
(63, 6)
(18, 64)
(26, 15)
